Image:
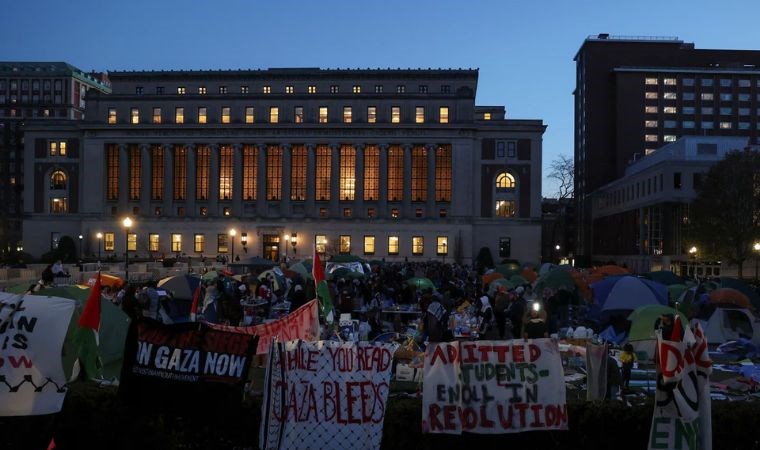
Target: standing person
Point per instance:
(613, 379)
(485, 313)
(535, 327)
(515, 314)
(627, 358)
(501, 304)
(298, 298)
(436, 321)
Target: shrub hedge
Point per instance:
(93, 418)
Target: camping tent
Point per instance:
(729, 324)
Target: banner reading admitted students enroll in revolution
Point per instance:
(32, 329)
(325, 395)
(493, 387)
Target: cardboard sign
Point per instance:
(493, 387)
(303, 323)
(325, 395)
(32, 329)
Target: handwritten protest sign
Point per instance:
(325, 395)
(32, 329)
(303, 323)
(184, 361)
(493, 387)
(682, 412)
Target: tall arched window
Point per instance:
(505, 180)
(58, 180)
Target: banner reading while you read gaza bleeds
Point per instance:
(493, 387)
(32, 329)
(325, 395)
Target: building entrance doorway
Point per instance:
(272, 247)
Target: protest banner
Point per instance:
(32, 329)
(303, 323)
(169, 364)
(493, 387)
(682, 411)
(596, 371)
(325, 395)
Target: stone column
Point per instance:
(213, 181)
(145, 178)
(359, 183)
(311, 170)
(431, 192)
(237, 180)
(168, 180)
(124, 179)
(190, 203)
(382, 202)
(407, 200)
(335, 181)
(261, 182)
(286, 178)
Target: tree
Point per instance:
(726, 214)
(562, 169)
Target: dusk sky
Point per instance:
(524, 50)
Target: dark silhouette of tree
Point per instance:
(562, 169)
(725, 219)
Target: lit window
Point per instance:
(134, 116)
(369, 245)
(132, 242)
(274, 114)
(298, 114)
(59, 205)
(505, 208)
(357, 89)
(650, 138)
(650, 81)
(345, 244)
(222, 89)
(202, 114)
(394, 213)
(669, 138)
(378, 89)
(156, 115)
(323, 114)
(289, 89)
(222, 243)
(486, 116)
(442, 212)
(109, 242)
(393, 245)
(225, 172)
(312, 89)
(371, 114)
(249, 114)
(181, 90)
(57, 148)
(204, 211)
(648, 151)
(669, 110)
(669, 96)
(443, 114)
(505, 180)
(669, 81)
(442, 245)
(334, 89)
(706, 96)
(176, 242)
(347, 213)
(153, 243)
(58, 180)
(650, 109)
(418, 245)
(419, 114)
(225, 114)
(400, 89)
(346, 114)
(347, 178)
(266, 89)
(395, 114)
(651, 95)
(320, 241)
(244, 89)
(650, 123)
(199, 242)
(179, 115)
(202, 90)
(418, 212)
(111, 116)
(725, 125)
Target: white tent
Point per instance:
(729, 324)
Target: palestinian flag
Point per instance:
(194, 306)
(321, 288)
(88, 364)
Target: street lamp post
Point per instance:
(693, 254)
(557, 248)
(756, 247)
(293, 242)
(100, 241)
(232, 238)
(81, 257)
(127, 222)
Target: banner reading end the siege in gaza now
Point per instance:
(493, 387)
(32, 329)
(325, 395)
(176, 362)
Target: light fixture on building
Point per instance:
(244, 241)
(294, 241)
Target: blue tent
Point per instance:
(626, 293)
